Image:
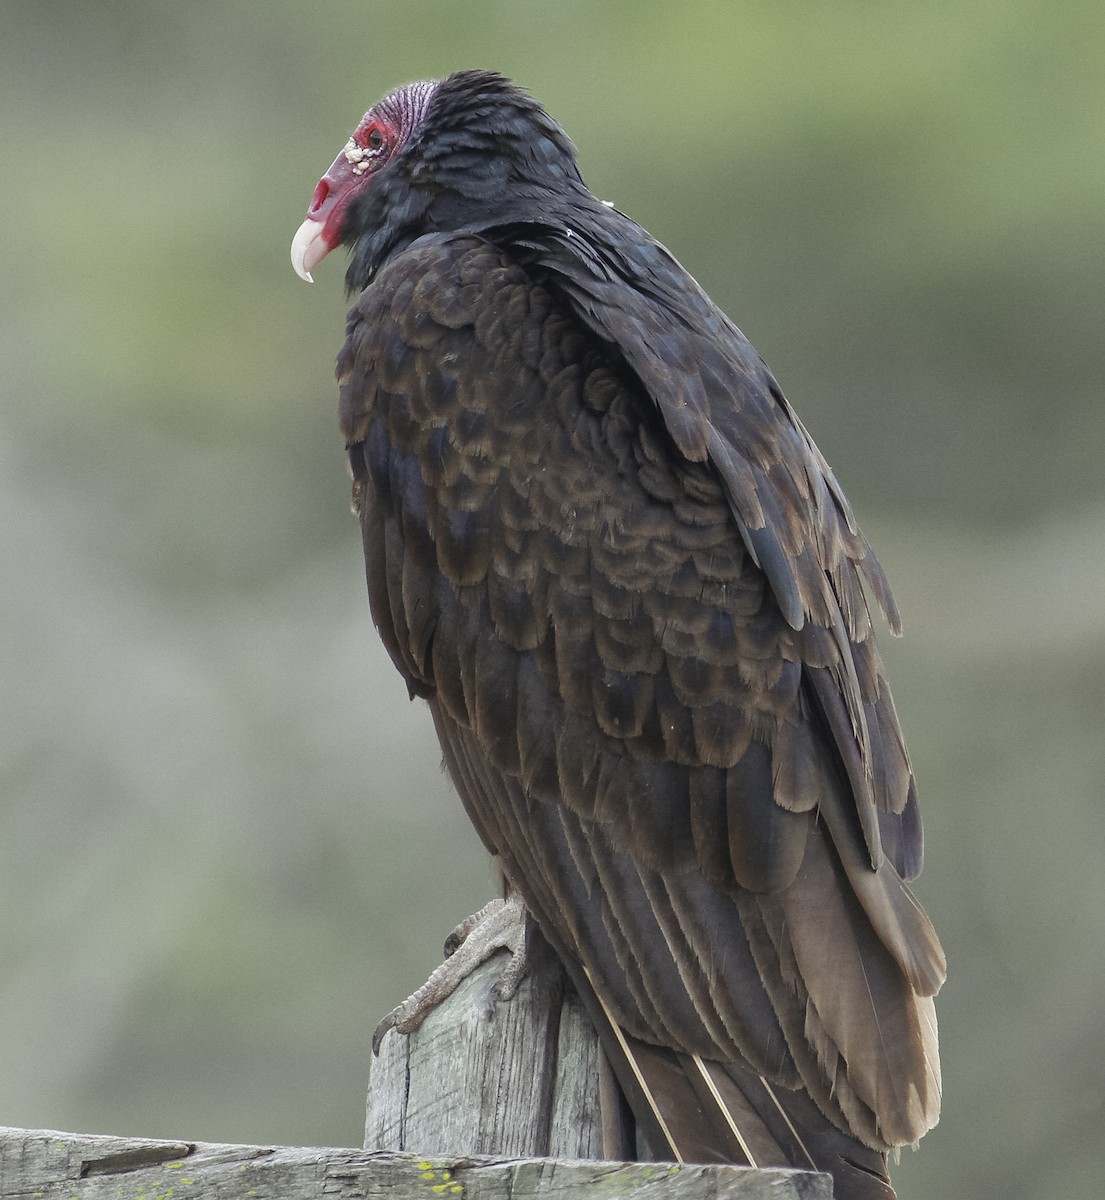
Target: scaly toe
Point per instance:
(500, 925)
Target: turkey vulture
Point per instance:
(606, 552)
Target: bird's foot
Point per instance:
(500, 925)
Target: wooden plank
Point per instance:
(43, 1165)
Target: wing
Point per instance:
(720, 404)
(686, 784)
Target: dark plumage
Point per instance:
(604, 549)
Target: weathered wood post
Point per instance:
(514, 1078)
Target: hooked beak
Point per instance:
(309, 248)
(321, 231)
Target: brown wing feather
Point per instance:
(689, 792)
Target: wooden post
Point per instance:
(480, 1077)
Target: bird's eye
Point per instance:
(375, 139)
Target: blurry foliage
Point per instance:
(226, 847)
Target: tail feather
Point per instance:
(689, 1109)
(861, 1013)
(901, 923)
(813, 1142)
(740, 1120)
(639, 1077)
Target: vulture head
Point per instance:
(434, 156)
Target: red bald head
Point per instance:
(381, 135)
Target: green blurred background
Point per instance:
(226, 848)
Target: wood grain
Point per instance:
(45, 1165)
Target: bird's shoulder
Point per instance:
(466, 355)
(459, 358)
